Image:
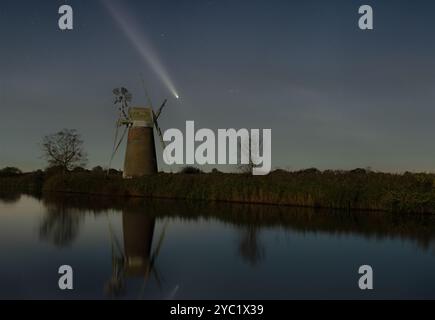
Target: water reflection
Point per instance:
(61, 223)
(129, 248)
(135, 258)
(64, 213)
(250, 248)
(131, 257)
(9, 197)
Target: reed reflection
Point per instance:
(249, 220)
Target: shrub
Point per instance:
(190, 170)
(10, 172)
(98, 170)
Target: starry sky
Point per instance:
(334, 96)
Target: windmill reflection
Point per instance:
(135, 259)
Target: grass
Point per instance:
(358, 189)
(23, 183)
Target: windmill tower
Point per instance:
(140, 122)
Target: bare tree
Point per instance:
(64, 149)
(250, 151)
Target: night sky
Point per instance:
(334, 96)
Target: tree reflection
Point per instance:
(250, 247)
(9, 197)
(61, 225)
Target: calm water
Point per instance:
(142, 249)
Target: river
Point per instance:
(161, 249)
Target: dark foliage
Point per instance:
(10, 172)
(190, 170)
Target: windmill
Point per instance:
(139, 122)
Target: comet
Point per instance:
(140, 42)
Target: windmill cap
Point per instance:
(141, 117)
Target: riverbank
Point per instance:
(356, 190)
